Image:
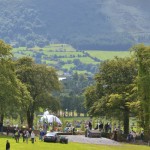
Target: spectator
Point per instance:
(129, 137)
(24, 135)
(7, 130)
(27, 136)
(101, 126)
(73, 130)
(90, 125)
(7, 145)
(134, 135)
(142, 136)
(32, 136)
(42, 133)
(106, 127)
(115, 135)
(17, 136)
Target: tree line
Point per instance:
(27, 87)
(122, 89)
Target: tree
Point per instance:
(113, 88)
(142, 55)
(72, 96)
(10, 94)
(41, 82)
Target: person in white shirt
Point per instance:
(32, 136)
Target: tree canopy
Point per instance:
(142, 58)
(41, 82)
(112, 93)
(12, 90)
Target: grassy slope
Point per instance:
(103, 55)
(53, 53)
(38, 145)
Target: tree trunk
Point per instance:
(1, 122)
(2, 118)
(30, 118)
(21, 120)
(72, 113)
(126, 121)
(147, 122)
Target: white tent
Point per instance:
(50, 118)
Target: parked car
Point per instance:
(55, 137)
(51, 137)
(63, 139)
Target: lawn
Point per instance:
(38, 145)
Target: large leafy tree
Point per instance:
(142, 55)
(113, 90)
(10, 86)
(41, 82)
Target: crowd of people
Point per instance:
(18, 133)
(26, 134)
(116, 131)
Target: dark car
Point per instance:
(51, 137)
(55, 137)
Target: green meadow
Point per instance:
(104, 55)
(62, 56)
(40, 145)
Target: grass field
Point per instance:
(64, 53)
(39, 145)
(68, 66)
(104, 55)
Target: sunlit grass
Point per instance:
(39, 145)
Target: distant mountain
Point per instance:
(86, 24)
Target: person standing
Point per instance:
(7, 145)
(17, 136)
(134, 136)
(7, 130)
(27, 136)
(142, 136)
(32, 136)
(90, 125)
(115, 134)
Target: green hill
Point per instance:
(67, 59)
(85, 24)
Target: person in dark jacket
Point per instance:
(7, 145)
(90, 125)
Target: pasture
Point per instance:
(63, 56)
(104, 55)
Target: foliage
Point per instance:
(88, 24)
(41, 82)
(71, 96)
(142, 57)
(12, 91)
(67, 59)
(113, 90)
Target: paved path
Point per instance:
(83, 139)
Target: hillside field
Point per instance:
(104, 55)
(66, 58)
